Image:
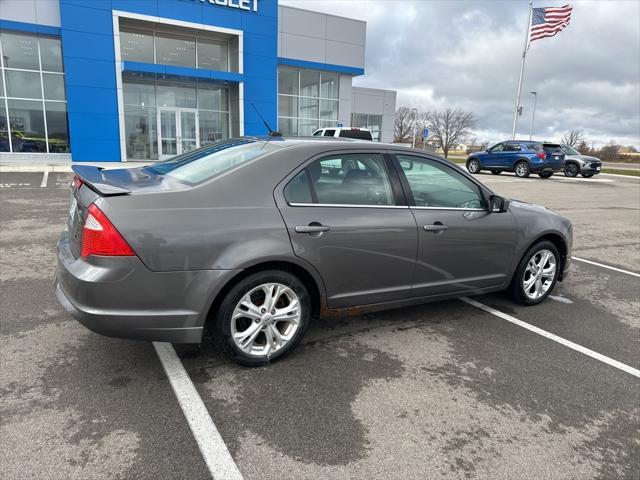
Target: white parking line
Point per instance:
(567, 343)
(213, 449)
(606, 266)
(45, 178)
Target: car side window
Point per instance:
(497, 148)
(510, 147)
(317, 133)
(329, 133)
(438, 186)
(351, 179)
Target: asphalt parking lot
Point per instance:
(446, 390)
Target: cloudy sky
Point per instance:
(467, 54)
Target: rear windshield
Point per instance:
(212, 160)
(550, 147)
(358, 134)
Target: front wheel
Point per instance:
(473, 166)
(545, 174)
(571, 170)
(262, 318)
(522, 169)
(536, 274)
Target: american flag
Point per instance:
(546, 22)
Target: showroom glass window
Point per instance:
(150, 100)
(142, 43)
(33, 106)
(365, 120)
(307, 100)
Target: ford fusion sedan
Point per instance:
(253, 238)
(519, 156)
(576, 163)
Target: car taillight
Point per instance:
(541, 155)
(100, 237)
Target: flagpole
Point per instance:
(524, 56)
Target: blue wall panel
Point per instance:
(89, 59)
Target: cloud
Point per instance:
(467, 54)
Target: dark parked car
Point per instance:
(519, 156)
(253, 238)
(576, 163)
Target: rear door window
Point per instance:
(329, 133)
(351, 179)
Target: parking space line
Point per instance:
(214, 451)
(567, 343)
(606, 266)
(45, 178)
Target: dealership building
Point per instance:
(119, 80)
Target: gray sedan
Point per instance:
(576, 163)
(253, 238)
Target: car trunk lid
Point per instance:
(553, 153)
(91, 183)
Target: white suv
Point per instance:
(345, 132)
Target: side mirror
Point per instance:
(406, 165)
(498, 204)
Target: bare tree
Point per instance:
(610, 152)
(403, 125)
(450, 127)
(584, 148)
(573, 138)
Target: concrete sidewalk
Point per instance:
(16, 165)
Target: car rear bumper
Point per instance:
(538, 168)
(120, 297)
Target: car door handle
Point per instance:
(312, 228)
(436, 227)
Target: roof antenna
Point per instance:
(272, 133)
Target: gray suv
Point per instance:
(252, 238)
(576, 163)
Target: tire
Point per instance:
(522, 169)
(473, 166)
(535, 293)
(496, 172)
(251, 291)
(571, 170)
(545, 174)
(587, 175)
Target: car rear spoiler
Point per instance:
(94, 178)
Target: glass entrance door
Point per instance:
(188, 138)
(167, 133)
(178, 131)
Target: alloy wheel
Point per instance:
(473, 166)
(571, 170)
(265, 319)
(539, 275)
(522, 169)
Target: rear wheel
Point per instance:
(522, 169)
(473, 166)
(496, 172)
(537, 274)
(587, 175)
(262, 318)
(545, 174)
(571, 170)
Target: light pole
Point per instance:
(415, 124)
(533, 114)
